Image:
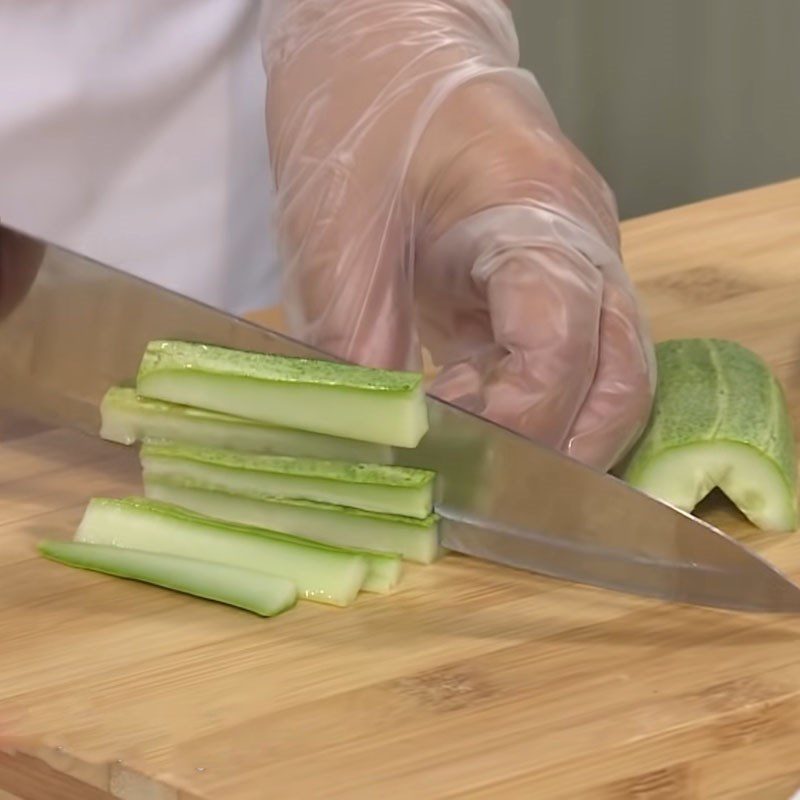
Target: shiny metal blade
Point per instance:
(83, 327)
(567, 522)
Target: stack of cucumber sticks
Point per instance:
(267, 479)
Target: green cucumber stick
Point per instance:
(262, 594)
(384, 570)
(372, 487)
(127, 418)
(413, 539)
(327, 397)
(136, 523)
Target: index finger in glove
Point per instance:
(620, 398)
(544, 304)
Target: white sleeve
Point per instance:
(134, 133)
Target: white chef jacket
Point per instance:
(133, 132)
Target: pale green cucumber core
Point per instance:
(685, 475)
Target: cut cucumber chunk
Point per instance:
(266, 595)
(325, 576)
(323, 396)
(415, 540)
(127, 418)
(372, 487)
(719, 420)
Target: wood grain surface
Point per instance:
(472, 681)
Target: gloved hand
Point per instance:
(427, 196)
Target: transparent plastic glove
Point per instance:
(426, 196)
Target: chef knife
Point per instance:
(83, 326)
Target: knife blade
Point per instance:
(83, 327)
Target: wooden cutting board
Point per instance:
(472, 681)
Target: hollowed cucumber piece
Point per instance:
(719, 420)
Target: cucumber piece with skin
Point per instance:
(266, 595)
(332, 577)
(127, 418)
(415, 540)
(327, 397)
(371, 487)
(719, 420)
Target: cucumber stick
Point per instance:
(127, 418)
(372, 487)
(322, 396)
(384, 570)
(262, 594)
(413, 539)
(719, 420)
(325, 576)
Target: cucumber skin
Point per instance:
(695, 377)
(119, 562)
(174, 355)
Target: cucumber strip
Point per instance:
(384, 570)
(135, 523)
(322, 396)
(266, 595)
(414, 540)
(719, 420)
(372, 487)
(127, 418)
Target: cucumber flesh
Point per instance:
(332, 577)
(685, 475)
(127, 418)
(372, 487)
(414, 540)
(322, 396)
(266, 595)
(719, 420)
